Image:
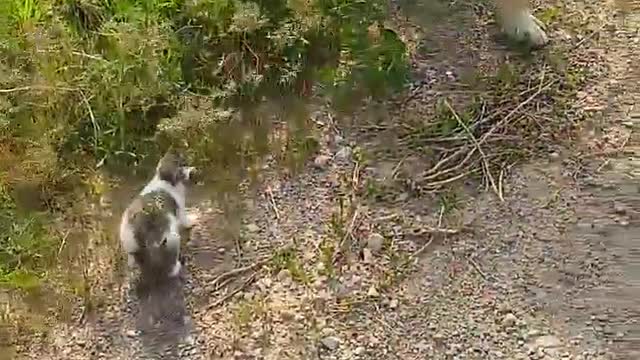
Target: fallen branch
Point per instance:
(272, 201)
(485, 163)
(435, 172)
(419, 251)
(347, 234)
(227, 275)
(27, 88)
(507, 117)
(438, 230)
(477, 268)
(234, 291)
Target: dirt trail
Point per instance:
(551, 272)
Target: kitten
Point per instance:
(151, 224)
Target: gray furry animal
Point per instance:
(519, 23)
(516, 20)
(150, 226)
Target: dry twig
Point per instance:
(347, 234)
(437, 172)
(475, 266)
(234, 291)
(35, 87)
(419, 251)
(485, 163)
(219, 281)
(63, 242)
(272, 201)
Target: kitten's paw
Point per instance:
(525, 27)
(189, 172)
(175, 271)
(189, 220)
(131, 261)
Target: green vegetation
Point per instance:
(88, 84)
(287, 259)
(94, 78)
(25, 245)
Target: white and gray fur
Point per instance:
(151, 224)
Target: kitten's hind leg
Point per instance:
(175, 270)
(131, 261)
(186, 220)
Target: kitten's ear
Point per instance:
(167, 170)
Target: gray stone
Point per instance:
(321, 161)
(330, 342)
(548, 341)
(375, 242)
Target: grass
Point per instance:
(287, 259)
(27, 248)
(327, 251)
(245, 311)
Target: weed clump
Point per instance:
(92, 79)
(26, 247)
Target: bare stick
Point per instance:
(419, 251)
(234, 291)
(63, 242)
(355, 177)
(436, 184)
(348, 233)
(440, 216)
(394, 172)
(272, 200)
(218, 280)
(475, 266)
(96, 127)
(500, 184)
(27, 88)
(438, 230)
(507, 117)
(436, 167)
(485, 163)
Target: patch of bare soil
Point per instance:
(339, 262)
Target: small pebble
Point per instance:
(393, 304)
(509, 320)
(330, 342)
(321, 161)
(548, 341)
(367, 257)
(375, 242)
(344, 153)
(252, 227)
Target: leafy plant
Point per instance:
(94, 78)
(26, 248)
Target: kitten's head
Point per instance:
(173, 168)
